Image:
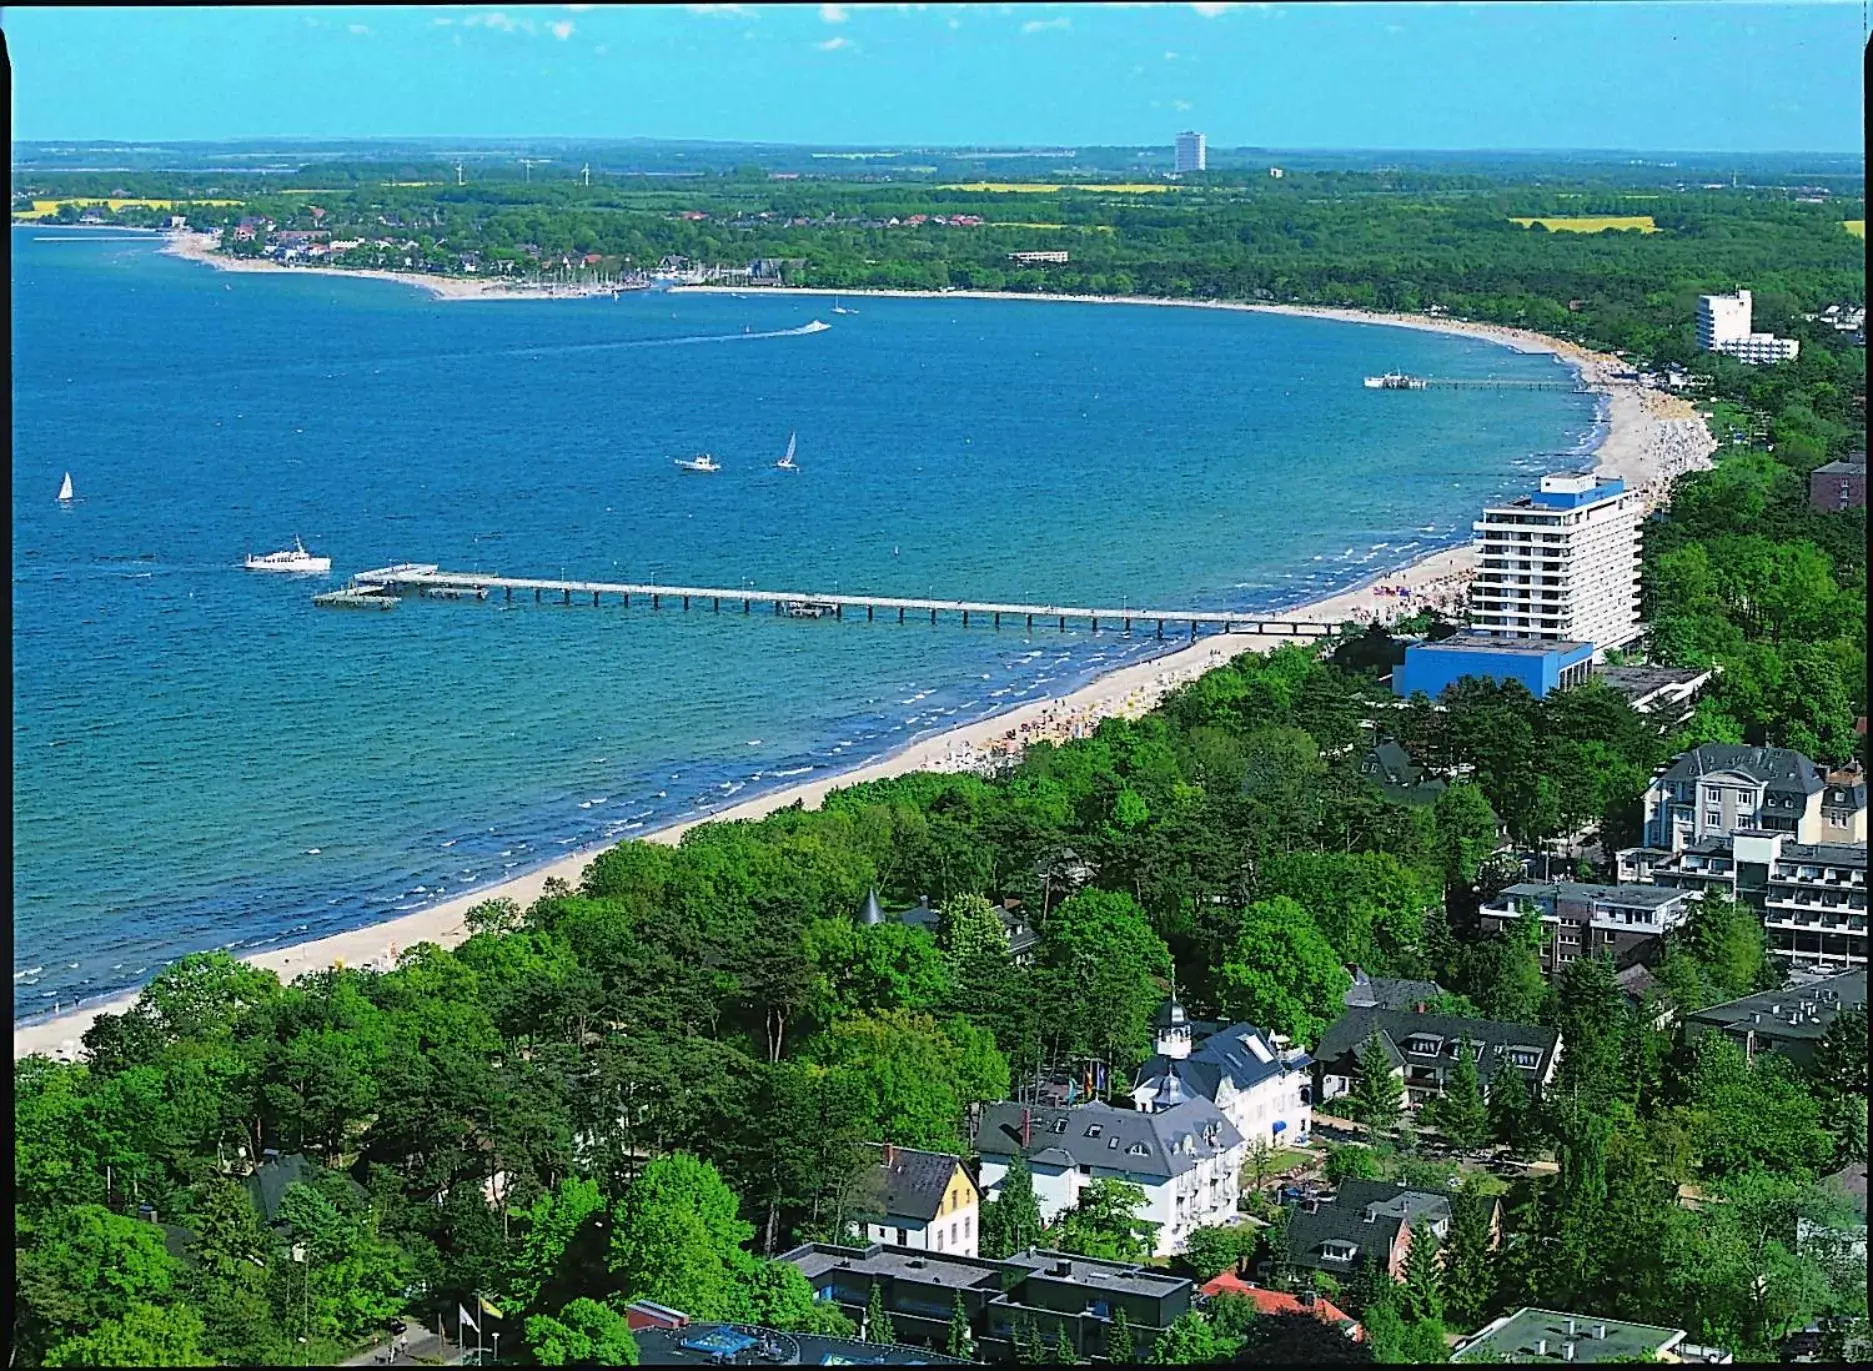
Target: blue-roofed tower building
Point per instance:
(1256, 1081)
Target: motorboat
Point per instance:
(787, 463)
(702, 461)
(295, 558)
(838, 308)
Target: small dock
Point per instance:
(425, 579)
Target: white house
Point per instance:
(911, 1198)
(1187, 1159)
(1262, 1086)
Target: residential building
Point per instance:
(1546, 1335)
(1843, 805)
(1625, 922)
(267, 1185)
(916, 1199)
(1385, 992)
(1724, 325)
(1191, 153)
(1260, 1084)
(1667, 692)
(1035, 259)
(1541, 665)
(1022, 940)
(1186, 1158)
(1789, 1021)
(1067, 1297)
(1398, 777)
(1838, 485)
(1363, 1219)
(1715, 790)
(1279, 1303)
(1423, 1049)
(1848, 1186)
(724, 1344)
(1561, 564)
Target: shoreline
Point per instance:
(1645, 437)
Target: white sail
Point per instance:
(65, 491)
(786, 463)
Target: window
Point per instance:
(1086, 1171)
(903, 1238)
(952, 1235)
(1523, 1056)
(1112, 1142)
(1060, 1125)
(939, 1240)
(1713, 818)
(969, 1225)
(1138, 1150)
(1338, 1251)
(1093, 1130)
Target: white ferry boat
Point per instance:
(295, 558)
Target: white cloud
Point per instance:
(442, 23)
(560, 29)
(834, 14)
(733, 11)
(1042, 25)
(601, 49)
(1181, 105)
(1209, 9)
(833, 44)
(362, 30)
(956, 23)
(498, 19)
(578, 9)
(1170, 57)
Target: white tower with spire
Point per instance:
(1172, 1026)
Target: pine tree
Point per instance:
(960, 1337)
(1028, 1348)
(1011, 1222)
(1469, 1265)
(1119, 1338)
(1508, 1108)
(1459, 1113)
(877, 1321)
(1423, 1292)
(1370, 1289)
(1378, 1094)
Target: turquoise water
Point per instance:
(202, 759)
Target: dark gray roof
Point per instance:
(268, 1184)
(1153, 1145)
(1170, 1014)
(1850, 1180)
(1849, 794)
(1801, 1013)
(1367, 1214)
(1778, 768)
(1224, 1055)
(1824, 854)
(701, 1344)
(1342, 1041)
(872, 913)
(911, 1187)
(1641, 682)
(1385, 992)
(1843, 468)
(1097, 1273)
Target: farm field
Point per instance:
(1043, 188)
(43, 208)
(1857, 227)
(1591, 223)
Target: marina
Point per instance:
(430, 581)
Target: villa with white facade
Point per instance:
(1259, 1083)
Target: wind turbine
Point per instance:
(586, 172)
(458, 172)
(531, 162)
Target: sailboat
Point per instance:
(787, 463)
(838, 308)
(65, 491)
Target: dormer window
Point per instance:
(1112, 1142)
(1523, 1056)
(1137, 1150)
(1093, 1130)
(1339, 1251)
(1060, 1125)
(1423, 1046)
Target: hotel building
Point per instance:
(1561, 564)
(1191, 154)
(1723, 325)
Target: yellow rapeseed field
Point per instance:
(1857, 227)
(42, 208)
(1037, 188)
(1592, 223)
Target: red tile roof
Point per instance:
(1277, 1302)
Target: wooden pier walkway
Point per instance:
(1482, 383)
(422, 578)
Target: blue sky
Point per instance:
(1724, 76)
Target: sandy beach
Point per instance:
(1649, 439)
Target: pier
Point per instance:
(428, 580)
(1455, 383)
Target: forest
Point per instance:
(650, 1084)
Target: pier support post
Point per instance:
(744, 606)
(510, 594)
(777, 606)
(536, 595)
(1063, 623)
(1030, 623)
(718, 604)
(933, 616)
(686, 604)
(656, 602)
(998, 618)
(1160, 628)
(900, 614)
(965, 618)
(838, 612)
(1193, 628)
(627, 599)
(595, 599)
(1128, 625)
(1095, 623)
(565, 596)
(868, 612)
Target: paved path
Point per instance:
(422, 1348)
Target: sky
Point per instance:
(1723, 76)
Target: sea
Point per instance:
(203, 759)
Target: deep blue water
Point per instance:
(202, 759)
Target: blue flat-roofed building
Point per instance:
(1540, 664)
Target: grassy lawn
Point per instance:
(1591, 223)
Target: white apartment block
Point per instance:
(1187, 1160)
(1561, 564)
(1723, 325)
(1191, 152)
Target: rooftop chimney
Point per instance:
(1599, 1331)
(1027, 1127)
(1567, 1351)
(1307, 1299)
(890, 1156)
(1570, 1328)
(1541, 1347)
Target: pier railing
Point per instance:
(422, 578)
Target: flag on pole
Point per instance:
(461, 1310)
(487, 1306)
